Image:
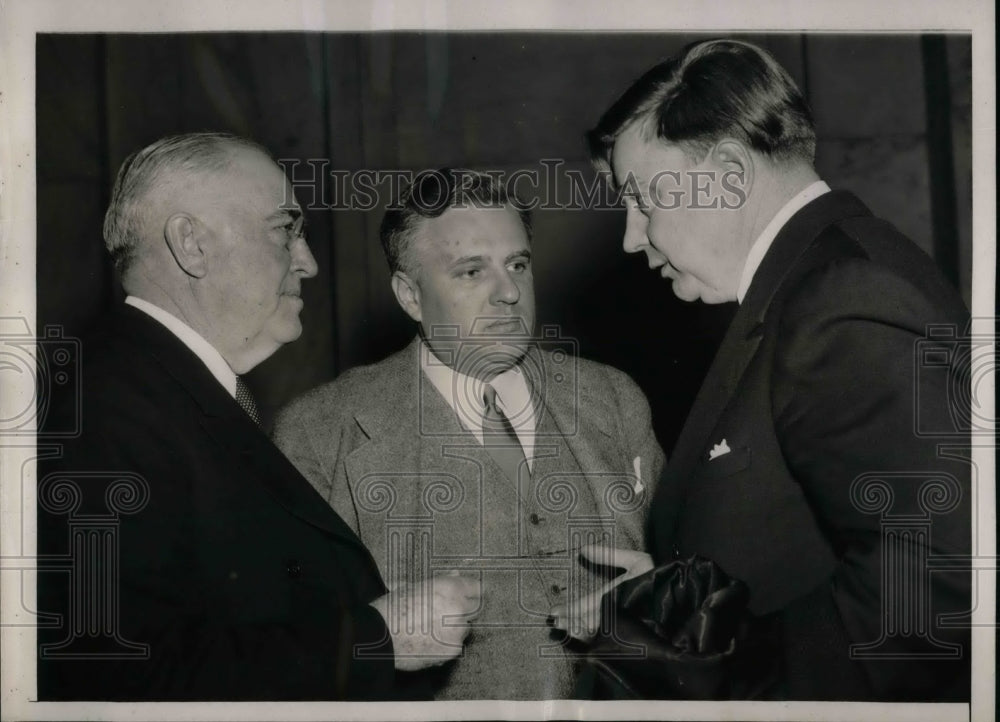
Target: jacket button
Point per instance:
(556, 589)
(677, 553)
(533, 519)
(294, 569)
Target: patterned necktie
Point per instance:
(499, 437)
(245, 399)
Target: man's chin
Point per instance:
(485, 359)
(691, 291)
(288, 330)
(714, 296)
(686, 291)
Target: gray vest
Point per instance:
(460, 512)
(527, 566)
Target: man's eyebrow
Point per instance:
(525, 253)
(282, 213)
(467, 259)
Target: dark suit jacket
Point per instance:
(818, 395)
(234, 579)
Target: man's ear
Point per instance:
(184, 238)
(735, 161)
(407, 295)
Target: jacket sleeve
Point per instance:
(849, 399)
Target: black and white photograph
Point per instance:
(446, 360)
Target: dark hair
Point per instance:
(710, 90)
(433, 192)
(154, 168)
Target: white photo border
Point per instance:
(21, 20)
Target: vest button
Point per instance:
(533, 518)
(294, 569)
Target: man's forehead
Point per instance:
(637, 161)
(629, 150)
(459, 231)
(473, 219)
(254, 172)
(289, 202)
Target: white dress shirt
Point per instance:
(193, 340)
(763, 243)
(464, 394)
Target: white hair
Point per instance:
(146, 170)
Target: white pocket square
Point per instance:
(720, 449)
(637, 468)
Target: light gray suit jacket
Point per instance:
(388, 453)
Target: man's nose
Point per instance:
(506, 290)
(635, 231)
(302, 260)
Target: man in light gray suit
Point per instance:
(481, 449)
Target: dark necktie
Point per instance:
(245, 399)
(499, 437)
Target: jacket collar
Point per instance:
(554, 382)
(744, 334)
(791, 242)
(178, 361)
(227, 423)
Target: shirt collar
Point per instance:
(193, 340)
(464, 393)
(763, 243)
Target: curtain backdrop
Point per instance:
(893, 116)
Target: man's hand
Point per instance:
(429, 620)
(581, 618)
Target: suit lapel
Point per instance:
(564, 398)
(737, 349)
(406, 438)
(744, 335)
(262, 462)
(581, 419)
(225, 422)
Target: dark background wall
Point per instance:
(893, 116)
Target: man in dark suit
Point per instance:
(801, 469)
(433, 474)
(201, 565)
